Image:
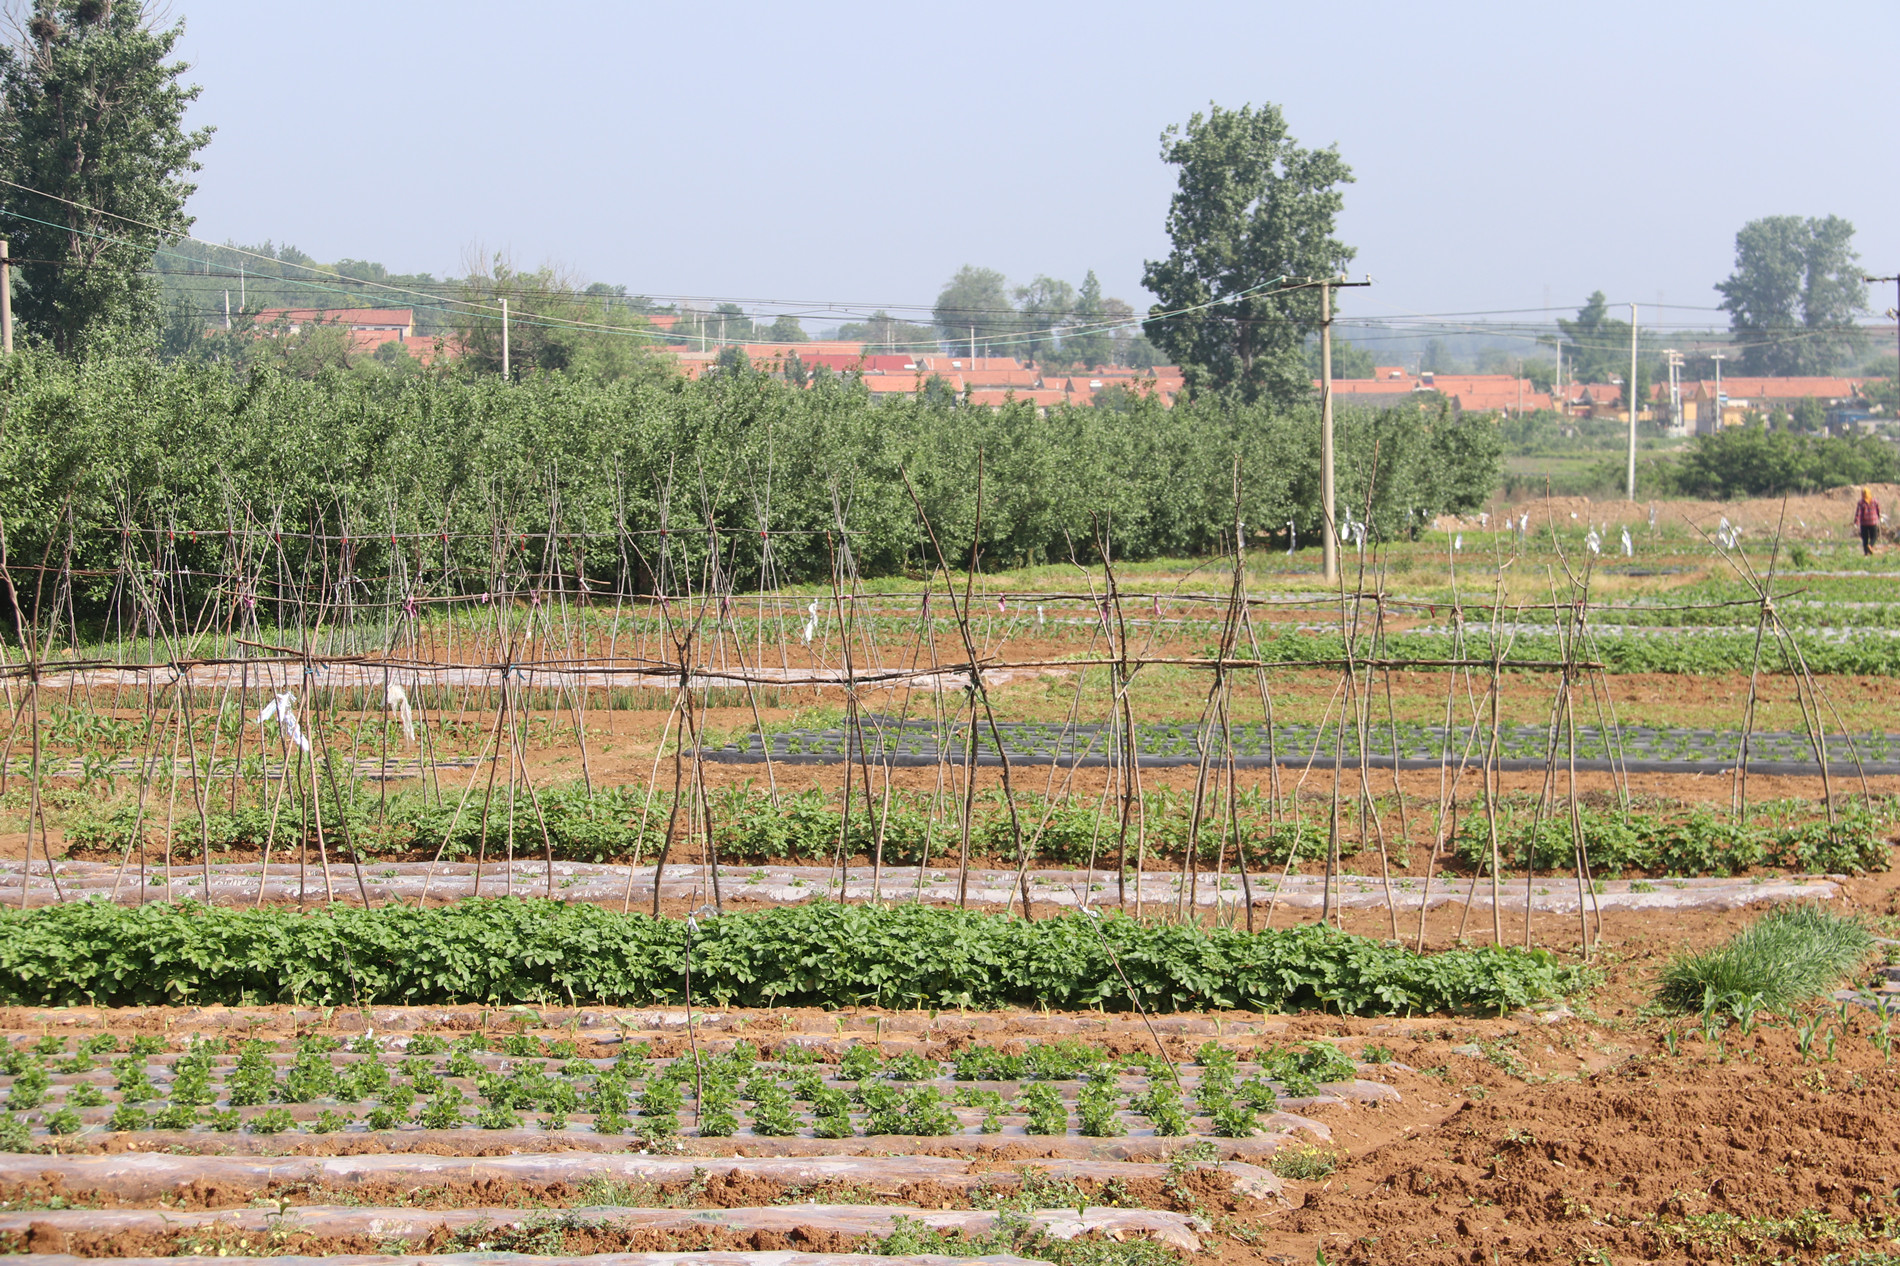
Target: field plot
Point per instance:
(395, 893)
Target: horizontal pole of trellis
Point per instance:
(670, 673)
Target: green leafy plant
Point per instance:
(444, 1112)
(1099, 1105)
(831, 1110)
(1046, 1111)
(177, 1116)
(272, 1121)
(1235, 1119)
(29, 1088)
(85, 1095)
(772, 1114)
(900, 955)
(253, 1080)
(1161, 1103)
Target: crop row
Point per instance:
(1698, 844)
(619, 825)
(522, 1079)
(1698, 653)
(507, 950)
(1410, 740)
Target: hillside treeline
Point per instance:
(90, 449)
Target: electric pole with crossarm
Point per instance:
(1893, 312)
(1330, 528)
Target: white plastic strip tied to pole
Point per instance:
(396, 699)
(281, 707)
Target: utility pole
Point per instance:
(6, 301)
(1894, 313)
(504, 339)
(1329, 553)
(1629, 394)
(1715, 423)
(1329, 543)
(243, 302)
(1674, 360)
(227, 311)
(973, 347)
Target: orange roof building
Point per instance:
(400, 320)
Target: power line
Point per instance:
(450, 297)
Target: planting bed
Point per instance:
(592, 1131)
(160, 766)
(613, 886)
(422, 1086)
(1635, 748)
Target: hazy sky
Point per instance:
(1507, 156)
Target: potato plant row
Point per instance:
(537, 951)
(620, 825)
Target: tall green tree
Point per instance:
(1089, 342)
(1596, 345)
(786, 329)
(1596, 349)
(553, 327)
(1045, 308)
(1794, 294)
(974, 307)
(94, 141)
(1251, 206)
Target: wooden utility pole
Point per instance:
(1895, 314)
(1329, 534)
(6, 301)
(1330, 538)
(1630, 395)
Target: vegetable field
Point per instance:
(630, 860)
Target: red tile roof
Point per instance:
(1021, 379)
(894, 384)
(1737, 389)
(1510, 401)
(1367, 387)
(1451, 383)
(358, 318)
(892, 363)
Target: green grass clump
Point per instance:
(1784, 957)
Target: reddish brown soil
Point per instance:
(1747, 1149)
(579, 1238)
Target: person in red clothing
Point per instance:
(1867, 519)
